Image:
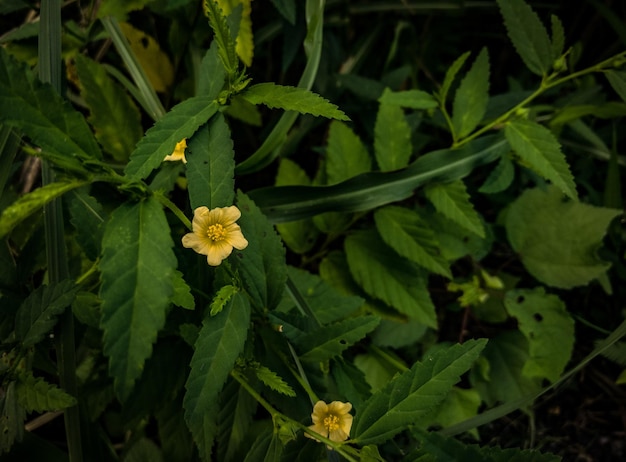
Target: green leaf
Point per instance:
(274, 381)
(300, 235)
(113, 115)
(470, 99)
(211, 74)
(558, 37)
(37, 315)
(235, 416)
(222, 35)
(529, 36)
(503, 381)
(451, 73)
(404, 231)
(223, 295)
(460, 404)
(12, 417)
(414, 393)
(346, 155)
(174, 437)
(388, 277)
(219, 343)
(29, 203)
(143, 450)
(42, 114)
(120, 8)
(500, 177)
(371, 190)
(211, 166)
(547, 326)
(86, 216)
(452, 201)
(137, 269)
(160, 140)
(332, 339)
(617, 79)
(37, 395)
(292, 99)
(182, 292)
(392, 138)
(262, 264)
(557, 240)
(413, 99)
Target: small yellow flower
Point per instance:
(215, 233)
(179, 152)
(332, 420)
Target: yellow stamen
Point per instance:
(331, 423)
(216, 232)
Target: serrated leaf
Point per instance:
(262, 264)
(244, 45)
(451, 73)
(221, 298)
(211, 74)
(617, 79)
(472, 96)
(12, 417)
(558, 37)
(346, 155)
(174, 437)
(211, 165)
(274, 381)
(137, 268)
(114, 116)
(388, 277)
(154, 62)
(235, 417)
(392, 138)
(529, 36)
(222, 36)
(42, 114)
(557, 240)
(37, 315)
(182, 292)
(300, 235)
(23, 207)
(87, 217)
(500, 177)
(332, 339)
(452, 201)
(413, 99)
(537, 146)
(404, 231)
(160, 140)
(292, 99)
(37, 395)
(549, 329)
(221, 340)
(413, 393)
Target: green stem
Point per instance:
(244, 383)
(174, 209)
(56, 254)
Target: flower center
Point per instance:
(331, 422)
(216, 232)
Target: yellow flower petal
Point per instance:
(179, 152)
(332, 420)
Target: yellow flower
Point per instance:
(215, 233)
(331, 420)
(179, 152)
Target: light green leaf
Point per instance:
(500, 177)
(211, 165)
(505, 357)
(470, 99)
(331, 340)
(42, 114)
(244, 45)
(451, 73)
(404, 231)
(392, 138)
(377, 371)
(87, 218)
(558, 37)
(413, 99)
(160, 140)
(452, 201)
(37, 315)
(223, 295)
(346, 155)
(219, 343)
(29, 203)
(143, 450)
(37, 395)
(414, 393)
(242, 110)
(137, 269)
(557, 240)
(261, 265)
(300, 235)
(222, 35)
(274, 381)
(114, 116)
(235, 416)
(292, 99)
(211, 74)
(460, 404)
(617, 79)
(529, 36)
(548, 327)
(120, 8)
(388, 277)
(182, 292)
